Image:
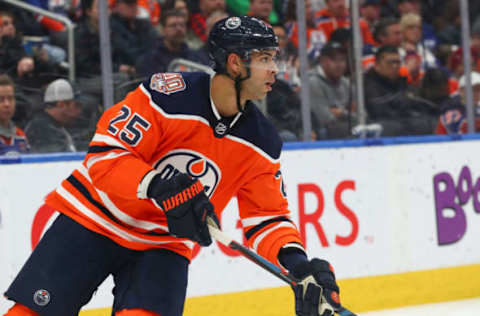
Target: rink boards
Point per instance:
(400, 224)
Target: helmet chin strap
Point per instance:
(238, 85)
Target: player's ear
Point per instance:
(235, 64)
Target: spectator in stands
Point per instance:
(169, 47)
(87, 41)
(192, 40)
(453, 118)
(370, 11)
(47, 131)
(330, 92)
(198, 19)
(130, 37)
(449, 24)
(244, 7)
(411, 26)
(12, 138)
(284, 110)
(414, 6)
(384, 88)
(25, 70)
(388, 100)
(13, 58)
(54, 30)
(214, 17)
(336, 15)
(88, 59)
(261, 9)
(150, 10)
(315, 38)
(287, 59)
(386, 32)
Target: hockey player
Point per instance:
(175, 149)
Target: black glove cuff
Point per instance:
(291, 257)
(155, 183)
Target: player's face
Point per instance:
(263, 69)
(7, 104)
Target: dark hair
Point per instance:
(341, 35)
(86, 5)
(383, 50)
(169, 13)
(5, 80)
(382, 26)
(332, 48)
(434, 85)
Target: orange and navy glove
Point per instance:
(185, 205)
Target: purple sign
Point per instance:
(449, 200)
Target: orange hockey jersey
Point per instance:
(163, 127)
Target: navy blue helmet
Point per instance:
(239, 35)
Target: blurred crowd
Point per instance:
(413, 70)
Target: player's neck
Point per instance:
(223, 94)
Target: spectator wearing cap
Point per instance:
(330, 92)
(47, 130)
(12, 138)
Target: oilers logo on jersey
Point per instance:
(192, 163)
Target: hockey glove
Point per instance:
(185, 205)
(317, 292)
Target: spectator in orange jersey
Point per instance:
(315, 38)
(336, 15)
(12, 138)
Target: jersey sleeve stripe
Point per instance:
(252, 221)
(102, 149)
(252, 231)
(107, 140)
(264, 234)
(110, 226)
(83, 190)
(90, 162)
(121, 215)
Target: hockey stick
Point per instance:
(226, 240)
